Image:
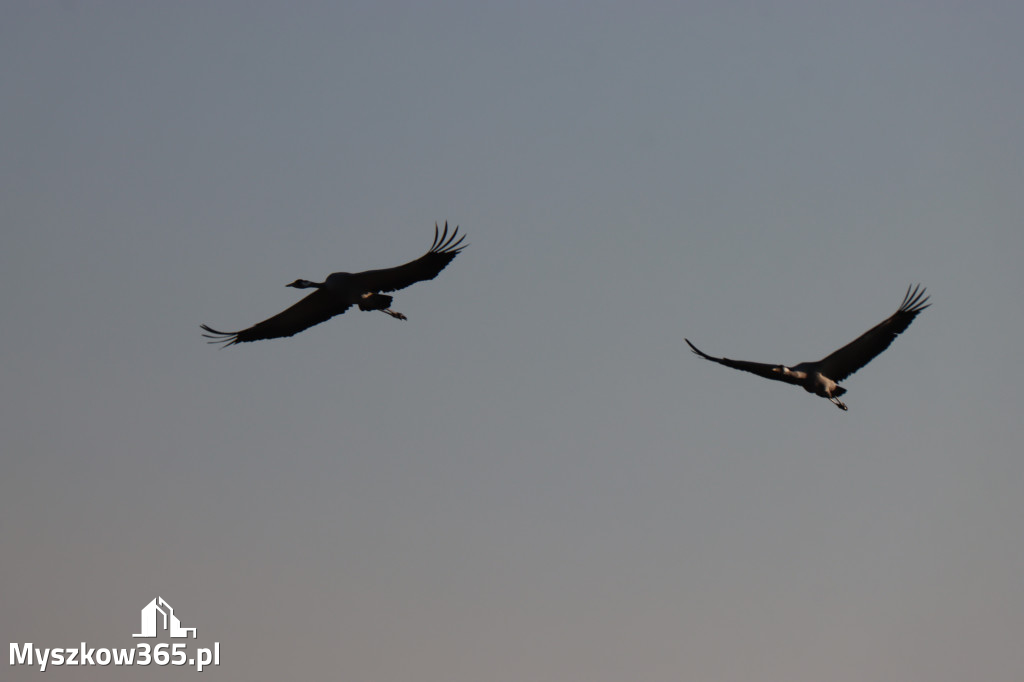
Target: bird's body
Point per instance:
(342, 290)
(813, 382)
(822, 377)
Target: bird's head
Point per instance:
(302, 284)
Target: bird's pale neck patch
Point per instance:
(787, 372)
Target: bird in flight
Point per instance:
(823, 377)
(341, 290)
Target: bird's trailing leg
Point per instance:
(374, 301)
(838, 403)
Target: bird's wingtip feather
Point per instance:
(915, 300)
(226, 338)
(445, 243)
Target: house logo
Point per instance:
(158, 620)
(158, 616)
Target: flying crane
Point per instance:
(823, 377)
(341, 290)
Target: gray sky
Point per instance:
(532, 478)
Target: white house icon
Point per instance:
(170, 621)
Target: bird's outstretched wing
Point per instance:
(871, 343)
(759, 368)
(318, 307)
(441, 253)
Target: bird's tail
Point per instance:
(375, 302)
(838, 391)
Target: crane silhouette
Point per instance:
(341, 290)
(823, 377)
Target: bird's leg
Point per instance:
(838, 403)
(394, 314)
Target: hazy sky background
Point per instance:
(532, 479)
